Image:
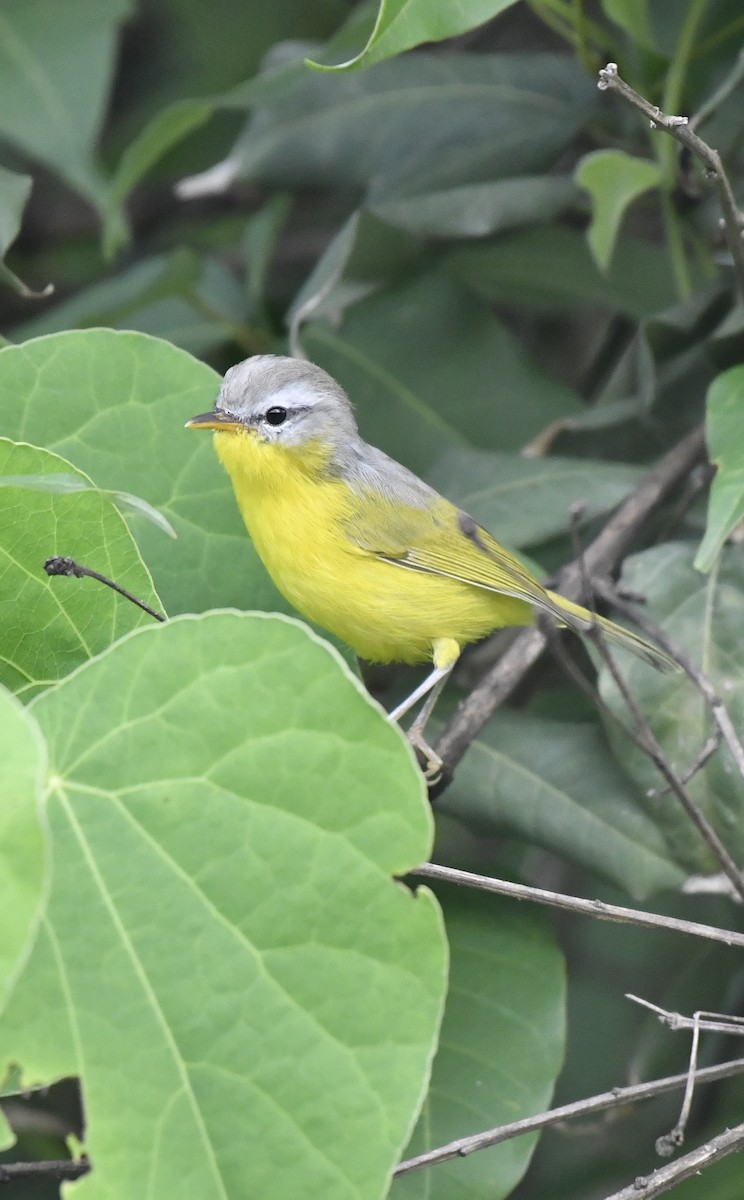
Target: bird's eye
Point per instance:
(276, 415)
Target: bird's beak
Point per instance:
(216, 419)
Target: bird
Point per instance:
(363, 547)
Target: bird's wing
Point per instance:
(443, 540)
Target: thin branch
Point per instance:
(707, 1022)
(718, 709)
(653, 749)
(63, 1168)
(699, 1022)
(647, 1187)
(679, 128)
(61, 565)
(615, 1098)
(601, 556)
(587, 908)
(642, 735)
(696, 765)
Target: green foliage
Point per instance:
(701, 613)
(528, 498)
(724, 416)
(14, 193)
(614, 180)
(492, 257)
(401, 24)
(275, 913)
(52, 626)
(22, 836)
(505, 1011)
(99, 398)
(318, 132)
(555, 783)
(56, 64)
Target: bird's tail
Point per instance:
(581, 620)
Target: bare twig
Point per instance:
(696, 765)
(587, 908)
(61, 565)
(601, 556)
(679, 128)
(699, 1022)
(647, 1187)
(653, 749)
(62, 1168)
(643, 735)
(718, 709)
(616, 1098)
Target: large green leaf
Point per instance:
(50, 626)
(477, 209)
(528, 500)
(227, 808)
(725, 435)
(115, 405)
(703, 616)
(402, 24)
(171, 124)
(550, 268)
(427, 365)
(56, 63)
(470, 117)
(500, 1048)
(555, 783)
(22, 837)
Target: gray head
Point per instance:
(283, 400)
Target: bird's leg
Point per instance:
(415, 734)
(445, 654)
(433, 682)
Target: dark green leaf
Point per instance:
(194, 302)
(528, 500)
(725, 436)
(471, 118)
(428, 365)
(56, 62)
(555, 783)
(500, 1048)
(549, 268)
(702, 615)
(478, 209)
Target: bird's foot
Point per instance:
(431, 764)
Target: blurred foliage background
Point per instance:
(528, 295)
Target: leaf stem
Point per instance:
(675, 243)
(61, 565)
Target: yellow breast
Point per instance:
(296, 515)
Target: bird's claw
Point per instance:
(431, 764)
